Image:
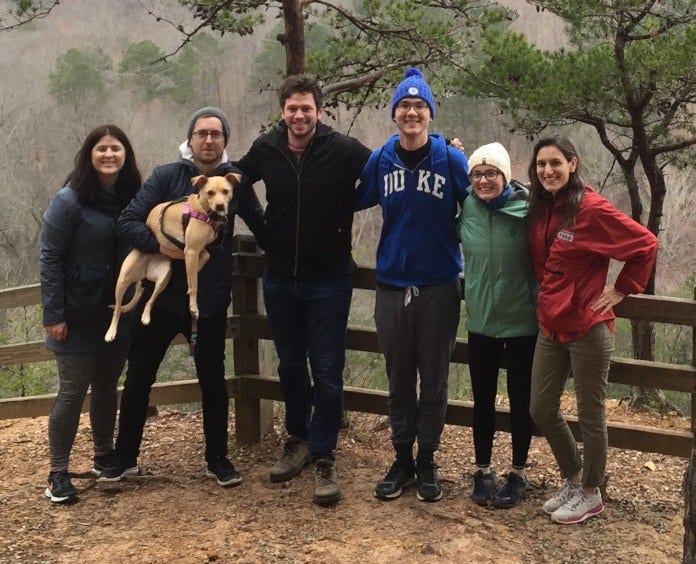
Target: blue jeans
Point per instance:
(308, 319)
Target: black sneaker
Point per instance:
(429, 488)
(483, 488)
(223, 471)
(511, 493)
(60, 488)
(102, 462)
(119, 469)
(400, 476)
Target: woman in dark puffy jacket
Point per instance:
(80, 258)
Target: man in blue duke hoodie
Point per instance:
(418, 180)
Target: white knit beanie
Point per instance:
(493, 154)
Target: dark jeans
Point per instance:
(485, 354)
(308, 319)
(148, 347)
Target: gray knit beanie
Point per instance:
(210, 111)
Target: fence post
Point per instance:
(689, 485)
(693, 391)
(253, 417)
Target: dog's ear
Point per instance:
(199, 181)
(233, 178)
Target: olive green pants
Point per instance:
(587, 359)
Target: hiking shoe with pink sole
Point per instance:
(579, 508)
(568, 490)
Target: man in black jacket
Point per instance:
(310, 172)
(202, 153)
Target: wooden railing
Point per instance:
(254, 392)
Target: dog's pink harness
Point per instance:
(215, 224)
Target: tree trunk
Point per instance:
(642, 331)
(690, 510)
(643, 337)
(294, 40)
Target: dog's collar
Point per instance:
(215, 222)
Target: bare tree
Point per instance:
(22, 12)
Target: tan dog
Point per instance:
(189, 224)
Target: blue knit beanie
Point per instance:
(413, 86)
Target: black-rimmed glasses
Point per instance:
(490, 174)
(202, 134)
(406, 106)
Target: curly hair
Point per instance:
(301, 83)
(540, 200)
(83, 178)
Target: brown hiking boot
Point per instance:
(295, 457)
(326, 491)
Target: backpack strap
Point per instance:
(453, 179)
(379, 158)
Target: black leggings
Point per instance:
(485, 355)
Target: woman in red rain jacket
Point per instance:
(574, 232)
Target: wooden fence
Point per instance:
(254, 393)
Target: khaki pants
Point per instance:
(587, 358)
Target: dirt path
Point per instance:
(175, 514)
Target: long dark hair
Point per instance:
(83, 178)
(540, 201)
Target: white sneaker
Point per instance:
(581, 506)
(568, 490)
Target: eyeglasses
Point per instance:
(202, 134)
(406, 106)
(490, 174)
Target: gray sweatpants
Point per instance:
(417, 329)
(76, 372)
(588, 359)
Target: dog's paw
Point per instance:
(145, 319)
(194, 312)
(110, 335)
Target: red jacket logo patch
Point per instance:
(565, 235)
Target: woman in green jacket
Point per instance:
(500, 292)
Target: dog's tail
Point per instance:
(136, 297)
